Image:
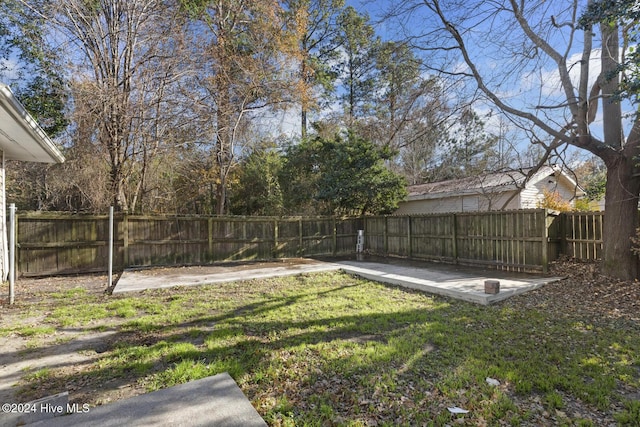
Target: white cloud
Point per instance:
(550, 79)
(9, 70)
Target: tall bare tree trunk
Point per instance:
(620, 221)
(223, 147)
(623, 187)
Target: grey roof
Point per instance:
(494, 182)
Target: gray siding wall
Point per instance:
(469, 203)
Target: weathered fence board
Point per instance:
(511, 240)
(433, 237)
(582, 235)
(63, 244)
(515, 240)
(58, 244)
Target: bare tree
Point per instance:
(502, 46)
(118, 53)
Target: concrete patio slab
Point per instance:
(461, 283)
(212, 401)
(467, 284)
(132, 280)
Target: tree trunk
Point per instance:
(621, 196)
(222, 149)
(116, 177)
(303, 78)
(620, 221)
(221, 196)
(303, 117)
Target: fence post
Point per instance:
(274, 252)
(562, 233)
(409, 244)
(301, 241)
(545, 242)
(364, 228)
(244, 229)
(125, 241)
(385, 236)
(210, 238)
(335, 236)
(12, 252)
(454, 237)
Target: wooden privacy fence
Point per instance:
(64, 244)
(580, 235)
(515, 240)
(509, 240)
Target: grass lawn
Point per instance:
(331, 349)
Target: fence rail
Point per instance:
(515, 240)
(67, 244)
(511, 240)
(582, 235)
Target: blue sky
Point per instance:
(524, 87)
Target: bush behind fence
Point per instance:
(514, 240)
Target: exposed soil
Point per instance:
(66, 349)
(73, 349)
(584, 292)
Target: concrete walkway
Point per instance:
(212, 401)
(461, 283)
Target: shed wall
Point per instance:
(533, 195)
(469, 203)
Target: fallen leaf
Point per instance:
(492, 381)
(456, 410)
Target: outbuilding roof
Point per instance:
(494, 182)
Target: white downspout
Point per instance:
(12, 253)
(4, 262)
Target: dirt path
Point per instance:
(23, 355)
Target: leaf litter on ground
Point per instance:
(330, 349)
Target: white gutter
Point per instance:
(468, 192)
(28, 123)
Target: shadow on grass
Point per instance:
(358, 351)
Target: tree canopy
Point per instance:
(343, 174)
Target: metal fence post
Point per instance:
(110, 277)
(12, 252)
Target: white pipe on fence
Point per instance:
(110, 279)
(360, 242)
(12, 252)
(360, 245)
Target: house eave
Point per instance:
(21, 138)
